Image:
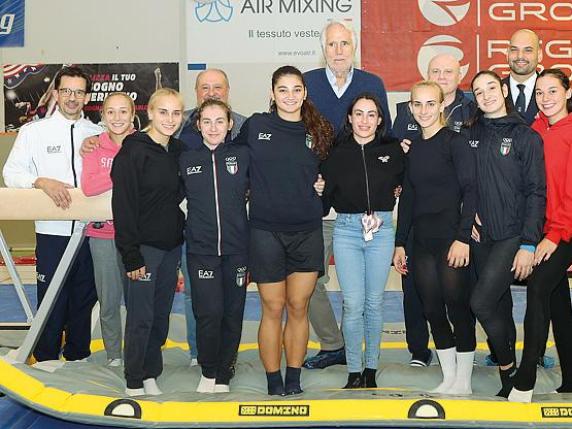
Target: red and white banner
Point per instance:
(399, 37)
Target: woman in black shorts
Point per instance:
(286, 246)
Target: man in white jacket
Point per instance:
(45, 155)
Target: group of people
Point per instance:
(484, 199)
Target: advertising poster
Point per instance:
(28, 88)
(400, 37)
(12, 23)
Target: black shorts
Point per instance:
(276, 255)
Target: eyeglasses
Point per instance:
(78, 93)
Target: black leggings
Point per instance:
(491, 301)
(444, 290)
(548, 297)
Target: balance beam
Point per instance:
(34, 204)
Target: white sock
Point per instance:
(135, 392)
(221, 388)
(151, 388)
(448, 362)
(516, 395)
(462, 384)
(206, 385)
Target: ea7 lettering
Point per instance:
(264, 136)
(206, 274)
(194, 170)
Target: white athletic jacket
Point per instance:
(49, 148)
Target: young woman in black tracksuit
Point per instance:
(148, 235)
(511, 204)
(438, 201)
(216, 181)
(361, 174)
(286, 245)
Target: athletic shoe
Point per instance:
(194, 362)
(325, 359)
(421, 361)
(546, 362)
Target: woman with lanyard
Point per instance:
(548, 291)
(286, 251)
(510, 212)
(361, 175)
(438, 201)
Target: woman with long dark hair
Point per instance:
(511, 190)
(361, 175)
(286, 247)
(548, 292)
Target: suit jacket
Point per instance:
(531, 109)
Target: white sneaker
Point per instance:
(206, 385)
(221, 388)
(194, 362)
(114, 363)
(135, 392)
(151, 388)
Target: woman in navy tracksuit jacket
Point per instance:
(216, 180)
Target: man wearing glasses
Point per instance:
(45, 155)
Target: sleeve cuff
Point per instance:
(528, 247)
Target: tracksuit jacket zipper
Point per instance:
(73, 167)
(217, 208)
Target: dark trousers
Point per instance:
(491, 301)
(548, 297)
(218, 295)
(416, 331)
(149, 301)
(444, 291)
(72, 310)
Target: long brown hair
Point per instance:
(562, 78)
(316, 125)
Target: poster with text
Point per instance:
(28, 88)
(400, 37)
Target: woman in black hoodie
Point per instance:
(148, 234)
(511, 201)
(361, 174)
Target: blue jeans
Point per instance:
(362, 268)
(189, 315)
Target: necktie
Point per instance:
(520, 104)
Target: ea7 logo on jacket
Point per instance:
(505, 146)
(231, 164)
(54, 149)
(145, 278)
(412, 127)
(206, 274)
(41, 277)
(194, 170)
(474, 143)
(264, 136)
(383, 159)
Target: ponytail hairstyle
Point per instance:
(347, 129)
(564, 80)
(479, 113)
(316, 125)
(162, 92)
(440, 97)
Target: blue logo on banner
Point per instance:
(213, 10)
(11, 23)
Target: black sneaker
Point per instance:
(325, 359)
(421, 361)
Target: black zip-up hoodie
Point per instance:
(283, 169)
(381, 162)
(147, 191)
(216, 182)
(511, 179)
